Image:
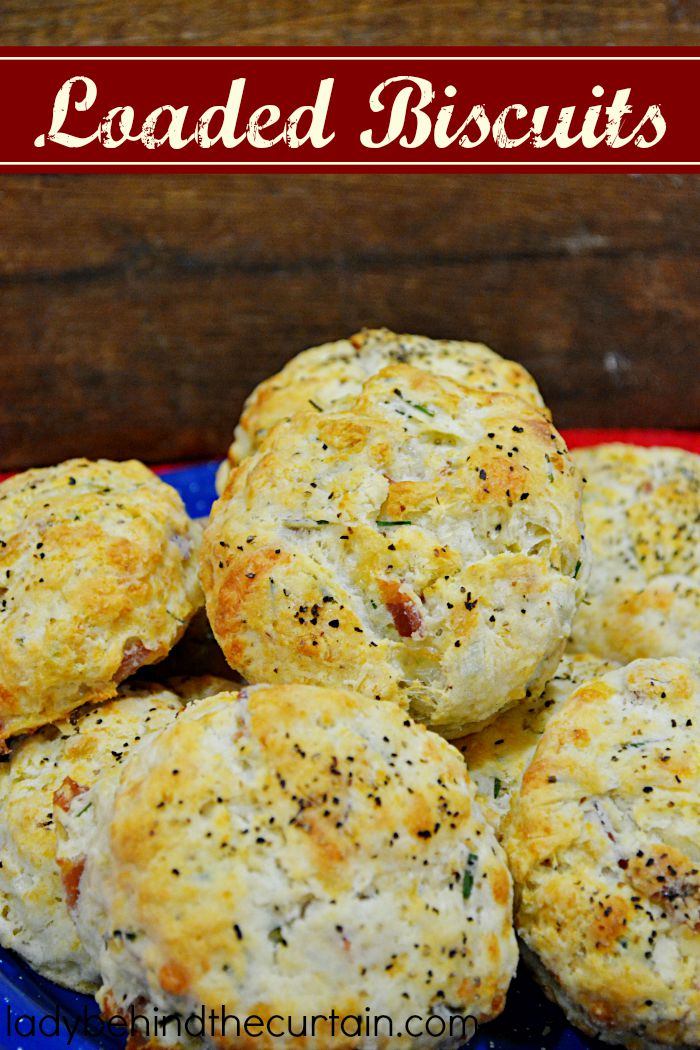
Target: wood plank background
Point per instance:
(305, 22)
(137, 311)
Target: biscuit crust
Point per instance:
(98, 565)
(498, 756)
(642, 516)
(34, 918)
(291, 851)
(423, 547)
(332, 375)
(603, 847)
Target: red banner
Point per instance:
(355, 110)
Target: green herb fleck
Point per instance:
(84, 810)
(496, 787)
(317, 407)
(422, 408)
(578, 566)
(468, 880)
(388, 524)
(276, 936)
(300, 524)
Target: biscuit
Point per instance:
(498, 756)
(642, 514)
(289, 852)
(332, 375)
(603, 846)
(424, 546)
(98, 569)
(34, 919)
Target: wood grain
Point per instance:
(64, 225)
(137, 313)
(307, 22)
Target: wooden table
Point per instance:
(137, 311)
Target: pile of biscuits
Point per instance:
(458, 722)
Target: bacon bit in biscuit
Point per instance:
(65, 794)
(174, 978)
(71, 871)
(134, 655)
(71, 874)
(404, 612)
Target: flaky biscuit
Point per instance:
(642, 515)
(423, 546)
(498, 756)
(603, 846)
(289, 852)
(332, 375)
(34, 919)
(98, 575)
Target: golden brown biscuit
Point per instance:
(423, 546)
(498, 756)
(289, 852)
(642, 514)
(332, 375)
(604, 849)
(34, 919)
(99, 576)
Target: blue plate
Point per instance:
(38, 1015)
